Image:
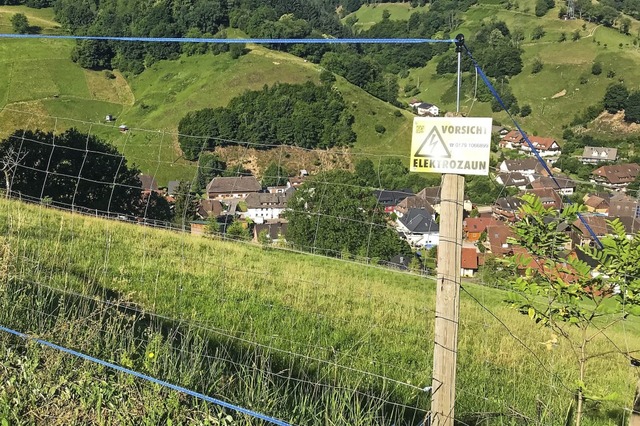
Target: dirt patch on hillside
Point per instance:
(615, 123)
(291, 158)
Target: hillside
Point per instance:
(365, 322)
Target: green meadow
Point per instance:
(325, 321)
(369, 14)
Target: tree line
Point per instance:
(76, 170)
(304, 115)
(371, 67)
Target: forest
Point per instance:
(304, 115)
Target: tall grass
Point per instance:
(307, 339)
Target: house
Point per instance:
(430, 197)
(390, 199)
(499, 130)
(296, 181)
(222, 188)
(400, 262)
(596, 203)
(561, 184)
(172, 187)
(498, 239)
(209, 208)
(419, 228)
(621, 205)
(616, 176)
(597, 225)
(528, 167)
(277, 189)
(148, 183)
(631, 225)
(484, 211)
(507, 208)
(516, 179)
(414, 202)
(424, 109)
(469, 262)
(262, 207)
(198, 227)
(598, 154)
(473, 227)
(546, 147)
(275, 230)
(512, 140)
(548, 197)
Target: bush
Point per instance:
(537, 66)
(596, 68)
(380, 129)
(525, 110)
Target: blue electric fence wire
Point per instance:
(150, 379)
(535, 152)
(238, 40)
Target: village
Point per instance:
(415, 216)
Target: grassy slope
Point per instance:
(41, 82)
(564, 63)
(369, 14)
(361, 317)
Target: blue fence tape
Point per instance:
(150, 379)
(236, 40)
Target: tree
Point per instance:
(331, 221)
(155, 207)
(537, 66)
(20, 23)
(632, 108)
(525, 110)
(537, 33)
(238, 231)
(575, 36)
(615, 98)
(576, 296)
(209, 166)
(596, 68)
(185, 205)
(275, 175)
(73, 169)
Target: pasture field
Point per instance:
(369, 14)
(325, 321)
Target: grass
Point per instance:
(370, 14)
(327, 311)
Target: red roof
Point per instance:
(512, 136)
(469, 258)
(541, 143)
(479, 224)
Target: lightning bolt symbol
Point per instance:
(432, 142)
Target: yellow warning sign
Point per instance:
(459, 145)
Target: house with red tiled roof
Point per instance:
(546, 147)
(475, 226)
(469, 263)
(497, 239)
(596, 225)
(512, 140)
(596, 204)
(617, 176)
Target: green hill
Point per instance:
(324, 321)
(41, 82)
